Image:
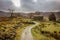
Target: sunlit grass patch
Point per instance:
(39, 36)
(49, 27)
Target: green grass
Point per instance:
(39, 36)
(51, 28)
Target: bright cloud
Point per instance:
(17, 3)
(34, 0)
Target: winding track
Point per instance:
(26, 34)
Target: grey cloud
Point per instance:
(29, 5)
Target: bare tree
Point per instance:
(11, 11)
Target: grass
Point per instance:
(51, 28)
(39, 36)
(10, 25)
(19, 32)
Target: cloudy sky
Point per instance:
(30, 5)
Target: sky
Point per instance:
(30, 5)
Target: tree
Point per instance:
(11, 11)
(52, 17)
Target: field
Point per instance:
(47, 31)
(11, 28)
(14, 28)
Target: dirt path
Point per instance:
(26, 34)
